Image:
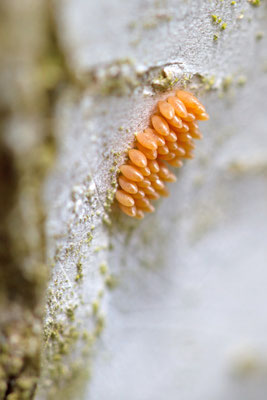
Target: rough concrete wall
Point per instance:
(172, 306)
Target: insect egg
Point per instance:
(131, 173)
(178, 106)
(147, 140)
(159, 139)
(138, 158)
(143, 202)
(148, 208)
(153, 196)
(129, 187)
(145, 182)
(160, 125)
(139, 195)
(171, 137)
(150, 154)
(168, 140)
(131, 211)
(153, 166)
(176, 162)
(124, 198)
(166, 109)
(163, 150)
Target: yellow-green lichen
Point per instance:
(227, 82)
(89, 238)
(106, 220)
(103, 268)
(259, 35)
(255, 3)
(70, 312)
(208, 82)
(111, 281)
(100, 323)
(79, 268)
(164, 81)
(95, 306)
(241, 81)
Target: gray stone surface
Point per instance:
(187, 319)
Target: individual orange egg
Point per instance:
(159, 139)
(137, 168)
(190, 117)
(180, 152)
(166, 109)
(124, 198)
(176, 148)
(176, 162)
(184, 129)
(160, 125)
(153, 166)
(189, 154)
(172, 146)
(163, 171)
(167, 175)
(153, 196)
(190, 101)
(179, 108)
(147, 140)
(158, 184)
(143, 203)
(203, 117)
(172, 137)
(184, 137)
(125, 184)
(164, 192)
(149, 208)
(190, 145)
(138, 158)
(144, 171)
(150, 154)
(139, 195)
(168, 156)
(153, 177)
(196, 135)
(176, 122)
(193, 126)
(171, 177)
(145, 183)
(163, 150)
(131, 173)
(130, 211)
(149, 190)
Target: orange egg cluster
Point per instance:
(169, 139)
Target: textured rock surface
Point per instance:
(186, 317)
